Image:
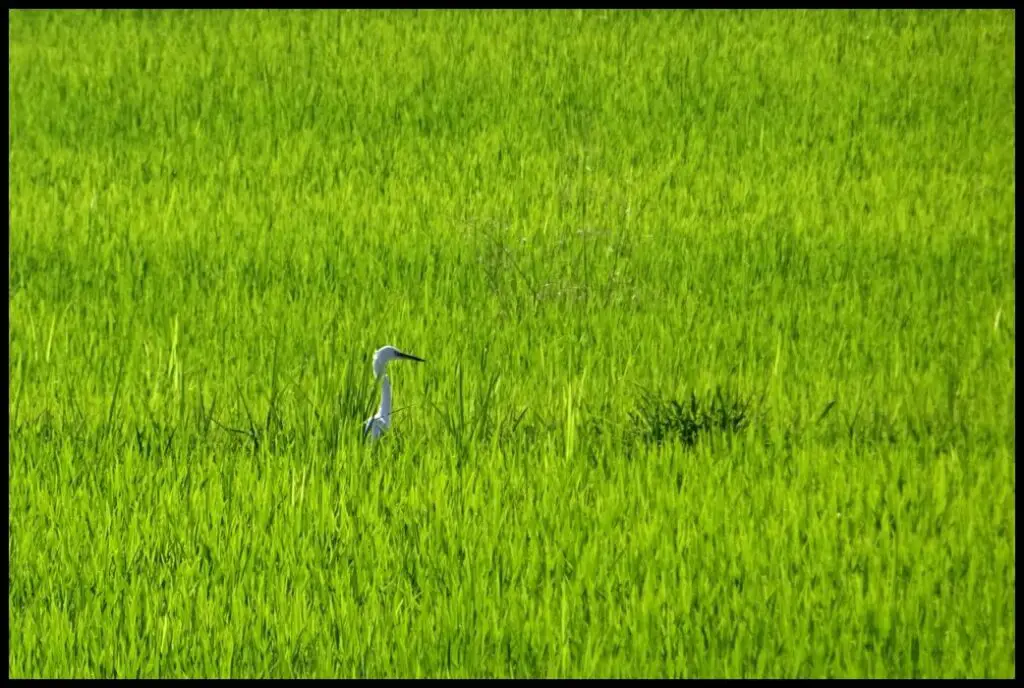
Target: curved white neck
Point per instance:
(385, 397)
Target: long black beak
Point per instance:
(411, 357)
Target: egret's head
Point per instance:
(386, 354)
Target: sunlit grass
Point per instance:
(718, 309)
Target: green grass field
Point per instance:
(718, 309)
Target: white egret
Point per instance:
(379, 423)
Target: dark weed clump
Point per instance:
(656, 420)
